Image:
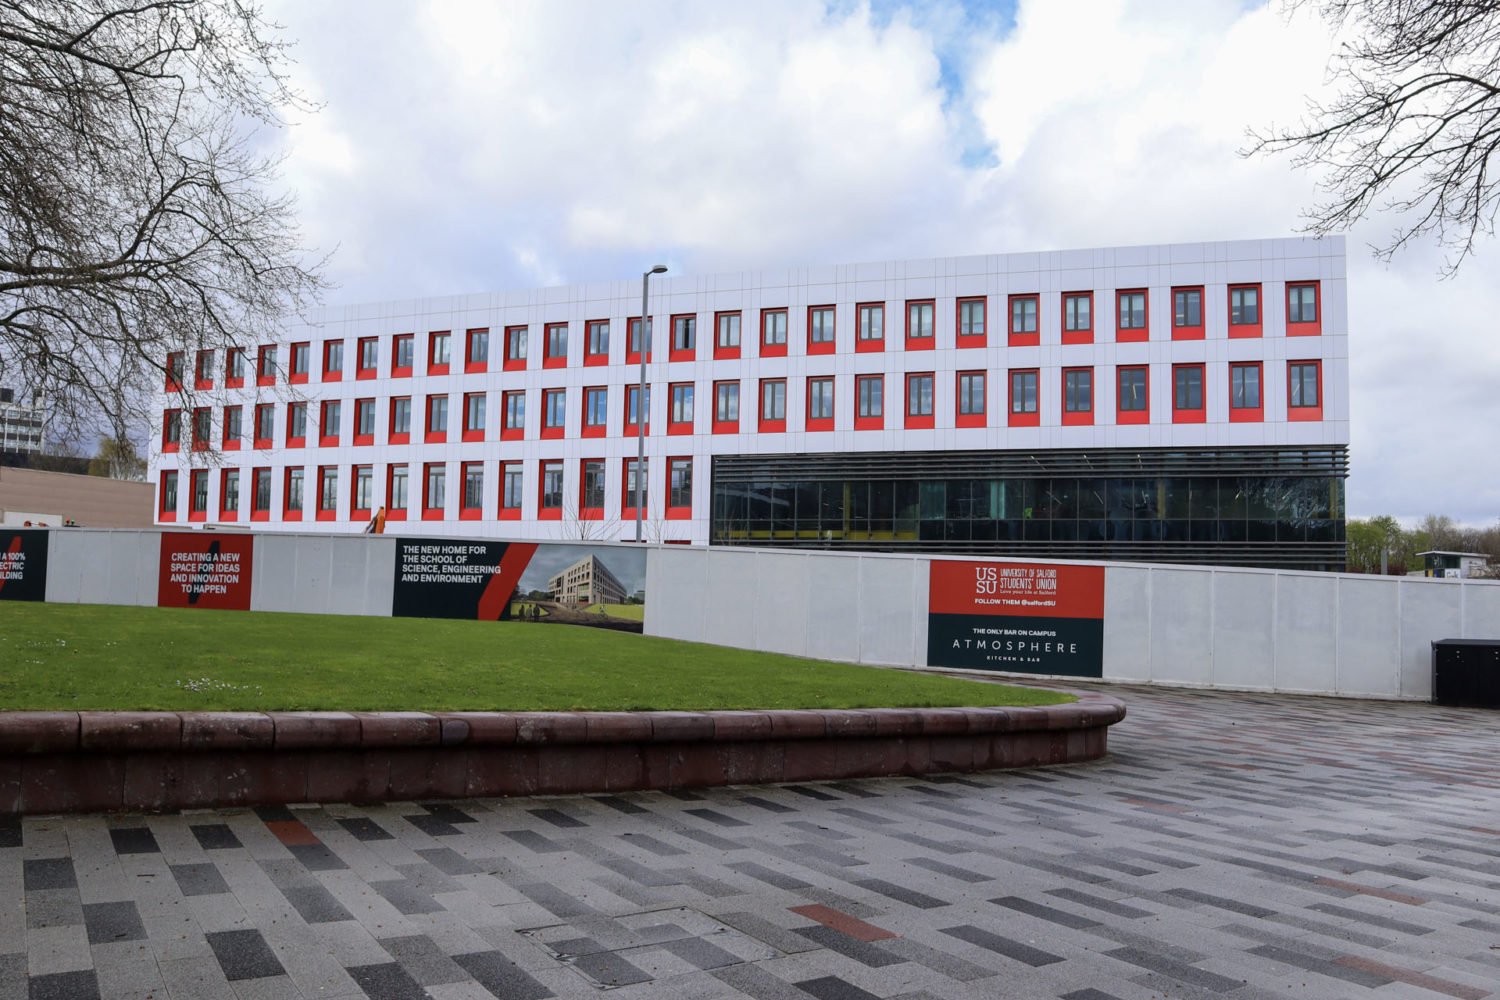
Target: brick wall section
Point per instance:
(54, 762)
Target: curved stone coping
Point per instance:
(186, 732)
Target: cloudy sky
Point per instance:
(478, 146)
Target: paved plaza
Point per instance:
(1232, 845)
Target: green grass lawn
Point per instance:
(633, 612)
(67, 656)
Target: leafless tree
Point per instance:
(137, 218)
(1414, 123)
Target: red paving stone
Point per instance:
(1367, 890)
(843, 922)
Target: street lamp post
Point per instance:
(640, 398)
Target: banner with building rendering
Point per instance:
(602, 586)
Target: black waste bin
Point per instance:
(1466, 672)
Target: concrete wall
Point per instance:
(1321, 633)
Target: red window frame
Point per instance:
(439, 368)
(329, 373)
(550, 431)
(258, 513)
(648, 338)
(299, 362)
(728, 426)
(176, 365)
(232, 443)
(1245, 330)
(320, 512)
(236, 381)
(961, 419)
(265, 358)
(587, 429)
(774, 350)
(1076, 418)
(470, 336)
(918, 343)
(465, 512)
(507, 432)
(287, 514)
(631, 429)
(1023, 419)
(544, 513)
(474, 433)
(167, 444)
(627, 495)
(869, 423)
(361, 372)
(392, 435)
(403, 371)
(363, 439)
(328, 440)
(1300, 413)
(256, 441)
(430, 436)
(685, 426)
(301, 440)
(1187, 415)
(972, 339)
(502, 512)
(686, 353)
(431, 513)
(1313, 328)
(590, 357)
(550, 360)
(868, 345)
(201, 381)
(1142, 416)
(720, 352)
(1077, 336)
(393, 513)
(770, 425)
(516, 336)
(586, 513)
(1022, 338)
(918, 421)
(169, 477)
(677, 513)
(1247, 414)
(1133, 335)
(813, 423)
(356, 512)
(823, 346)
(195, 512)
(1188, 331)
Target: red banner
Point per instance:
(205, 570)
(1016, 589)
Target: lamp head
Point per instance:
(658, 269)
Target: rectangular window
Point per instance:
(397, 500)
(1304, 395)
(364, 421)
(403, 354)
(515, 347)
(473, 498)
(552, 490)
(475, 404)
(820, 404)
(292, 499)
(632, 408)
(233, 430)
(679, 486)
(435, 492)
(633, 338)
(203, 370)
(684, 337)
(169, 496)
(773, 327)
(301, 360)
(333, 361)
(971, 322)
(556, 347)
(870, 330)
(198, 495)
(633, 483)
(773, 404)
(1133, 322)
(514, 426)
(400, 419)
(554, 412)
(1078, 396)
(328, 492)
(971, 389)
(1078, 318)
(265, 424)
(1244, 311)
(869, 411)
(726, 407)
(369, 358)
(591, 487)
(328, 424)
(511, 483)
(596, 345)
(438, 353)
(364, 490)
(296, 425)
(234, 367)
(919, 400)
(175, 364)
(260, 500)
(1132, 401)
(1244, 392)
(202, 428)
(1187, 313)
(920, 334)
(1187, 394)
(437, 418)
(595, 410)
(727, 335)
(1023, 321)
(265, 366)
(171, 430)
(477, 350)
(821, 337)
(1302, 316)
(1024, 411)
(681, 419)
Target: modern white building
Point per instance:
(22, 427)
(1186, 402)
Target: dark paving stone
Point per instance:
(1089, 994)
(1049, 913)
(448, 812)
(769, 876)
(1374, 920)
(420, 956)
(10, 831)
(244, 954)
(501, 976)
(406, 897)
(387, 981)
(901, 894)
(1110, 906)
(952, 871)
(315, 904)
(533, 841)
(199, 879)
(64, 986)
(1002, 945)
(449, 861)
(433, 826)
(620, 805)
(1173, 969)
(865, 954)
(811, 793)
(651, 844)
(317, 857)
(716, 817)
(215, 836)
(134, 840)
(766, 804)
(1322, 966)
(834, 988)
(553, 900)
(48, 873)
(1220, 902)
(558, 818)
(364, 829)
(702, 953)
(274, 814)
(110, 922)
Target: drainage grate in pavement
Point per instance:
(647, 946)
